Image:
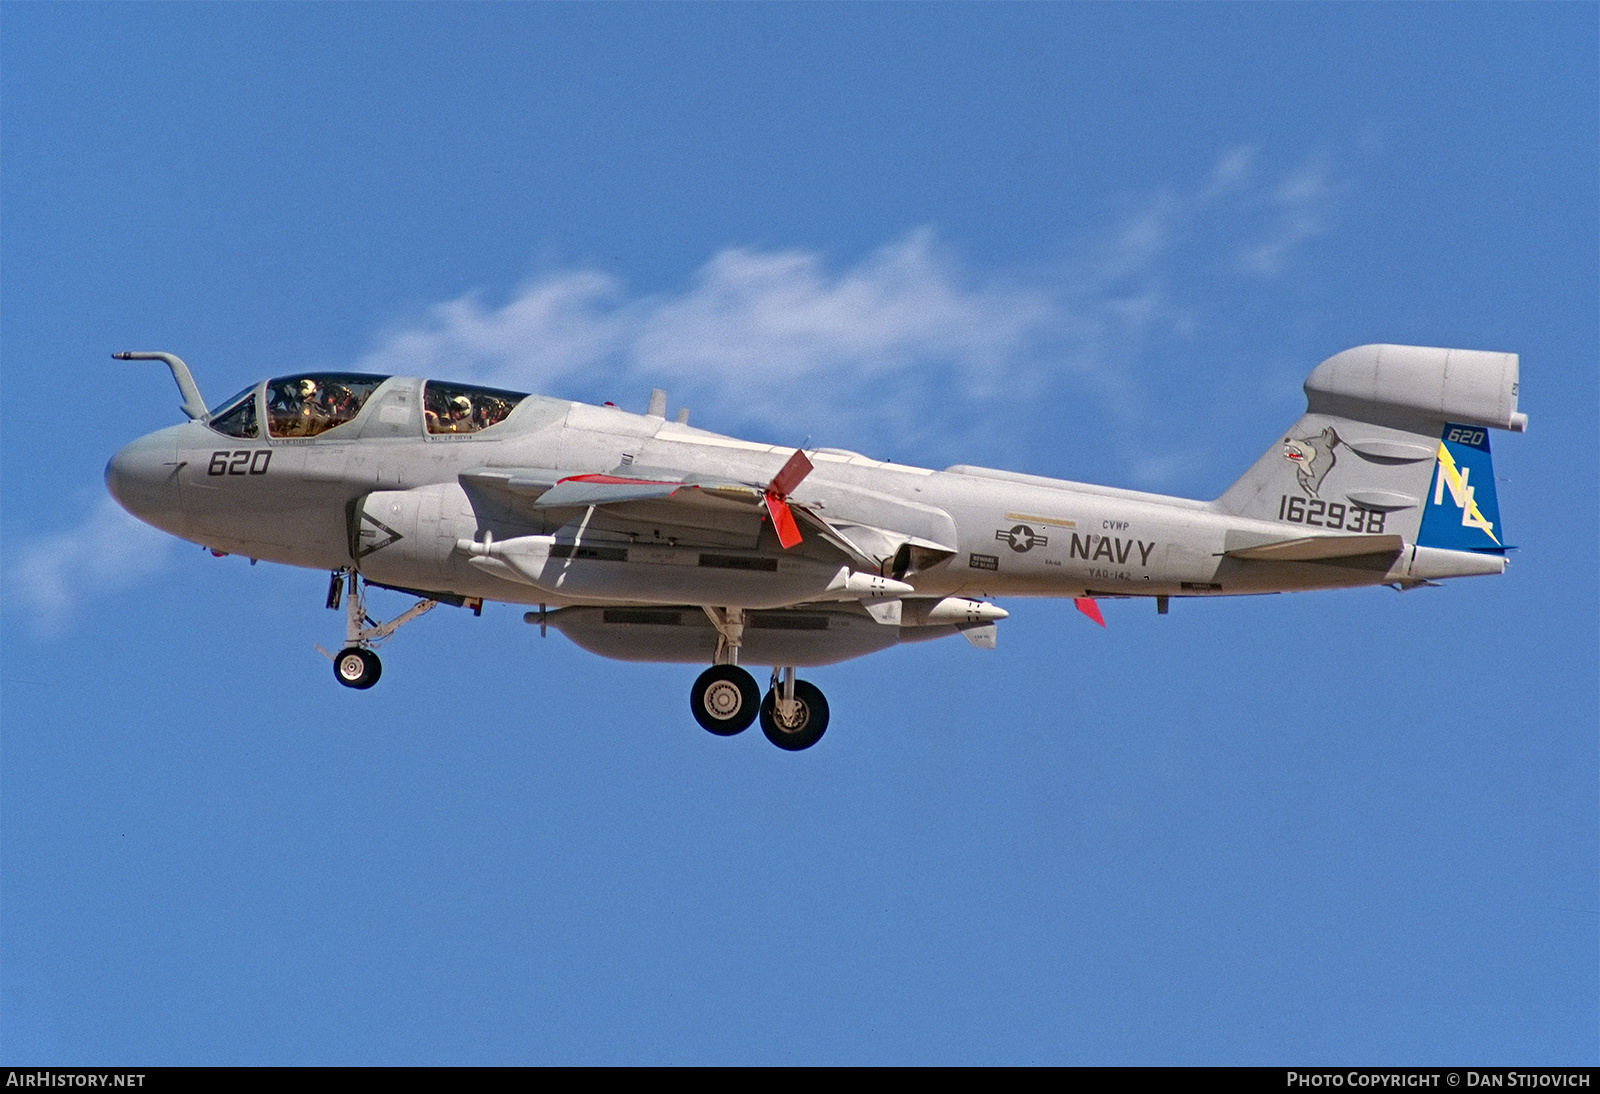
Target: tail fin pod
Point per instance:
(1414, 386)
(1378, 423)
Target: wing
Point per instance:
(612, 489)
(582, 491)
(655, 503)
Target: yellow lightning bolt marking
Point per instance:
(1471, 515)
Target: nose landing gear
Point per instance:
(356, 666)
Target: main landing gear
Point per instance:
(725, 699)
(356, 666)
(794, 715)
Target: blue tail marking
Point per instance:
(1461, 512)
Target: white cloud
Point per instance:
(903, 346)
(1298, 208)
(1140, 241)
(752, 331)
(551, 328)
(1232, 172)
(107, 550)
(785, 316)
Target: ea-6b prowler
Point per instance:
(646, 539)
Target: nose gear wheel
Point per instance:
(357, 668)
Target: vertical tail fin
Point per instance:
(1395, 441)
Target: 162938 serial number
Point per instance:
(1330, 514)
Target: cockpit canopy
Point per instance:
(304, 406)
(236, 416)
(459, 408)
(313, 403)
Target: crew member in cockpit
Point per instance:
(310, 417)
(340, 402)
(461, 416)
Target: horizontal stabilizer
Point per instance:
(1319, 548)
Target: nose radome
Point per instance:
(143, 477)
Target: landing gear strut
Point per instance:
(356, 666)
(725, 699)
(794, 715)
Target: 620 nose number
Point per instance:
(244, 461)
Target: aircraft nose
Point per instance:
(143, 477)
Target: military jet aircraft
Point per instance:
(646, 539)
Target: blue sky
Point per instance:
(1100, 242)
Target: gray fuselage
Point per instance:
(384, 495)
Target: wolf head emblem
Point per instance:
(1312, 458)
